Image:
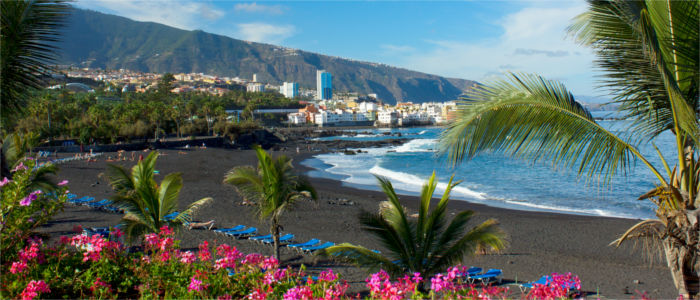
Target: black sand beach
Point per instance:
(539, 243)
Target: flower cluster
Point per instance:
(557, 286)
(95, 246)
(33, 289)
(381, 286)
(27, 255)
(229, 257)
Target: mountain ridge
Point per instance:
(95, 39)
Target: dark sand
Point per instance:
(539, 243)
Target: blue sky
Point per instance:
(469, 39)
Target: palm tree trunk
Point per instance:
(684, 264)
(276, 238)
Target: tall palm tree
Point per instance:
(274, 187)
(427, 244)
(649, 52)
(146, 202)
(29, 30)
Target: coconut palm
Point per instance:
(29, 30)
(274, 187)
(147, 203)
(649, 52)
(427, 244)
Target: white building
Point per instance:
(290, 89)
(387, 117)
(367, 106)
(255, 87)
(297, 118)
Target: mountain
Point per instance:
(94, 39)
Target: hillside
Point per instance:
(106, 41)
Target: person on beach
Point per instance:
(208, 225)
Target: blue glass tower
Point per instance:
(324, 85)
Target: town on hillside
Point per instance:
(321, 106)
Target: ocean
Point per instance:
(495, 179)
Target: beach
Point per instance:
(539, 243)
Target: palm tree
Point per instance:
(427, 244)
(29, 30)
(14, 149)
(273, 187)
(649, 51)
(146, 202)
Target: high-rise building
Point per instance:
(324, 85)
(255, 77)
(290, 89)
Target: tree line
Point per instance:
(109, 115)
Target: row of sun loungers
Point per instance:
(103, 204)
(241, 231)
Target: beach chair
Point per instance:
(310, 243)
(81, 200)
(284, 238)
(544, 280)
(472, 271)
(315, 248)
(242, 233)
(488, 276)
(99, 204)
(171, 216)
(224, 230)
(260, 237)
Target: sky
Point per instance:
(476, 40)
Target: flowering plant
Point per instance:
(28, 201)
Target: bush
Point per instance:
(28, 201)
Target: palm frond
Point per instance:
(530, 117)
(363, 257)
(396, 217)
(486, 234)
(29, 31)
(168, 192)
(186, 215)
(634, 47)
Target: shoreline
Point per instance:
(539, 242)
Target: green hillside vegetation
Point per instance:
(93, 39)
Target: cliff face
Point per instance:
(95, 39)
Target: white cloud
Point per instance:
(392, 49)
(184, 14)
(533, 41)
(265, 33)
(259, 8)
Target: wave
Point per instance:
(418, 145)
(422, 132)
(413, 183)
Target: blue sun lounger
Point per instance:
(235, 228)
(242, 233)
(99, 204)
(171, 216)
(486, 277)
(81, 200)
(319, 247)
(284, 238)
(310, 243)
(260, 237)
(543, 281)
(472, 271)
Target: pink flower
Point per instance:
(204, 254)
(224, 297)
(99, 284)
(33, 289)
(4, 181)
(259, 294)
(63, 182)
(187, 257)
(327, 275)
(152, 239)
(196, 285)
(166, 231)
(18, 267)
(299, 293)
(21, 166)
(116, 233)
(31, 197)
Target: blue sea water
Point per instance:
(495, 179)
